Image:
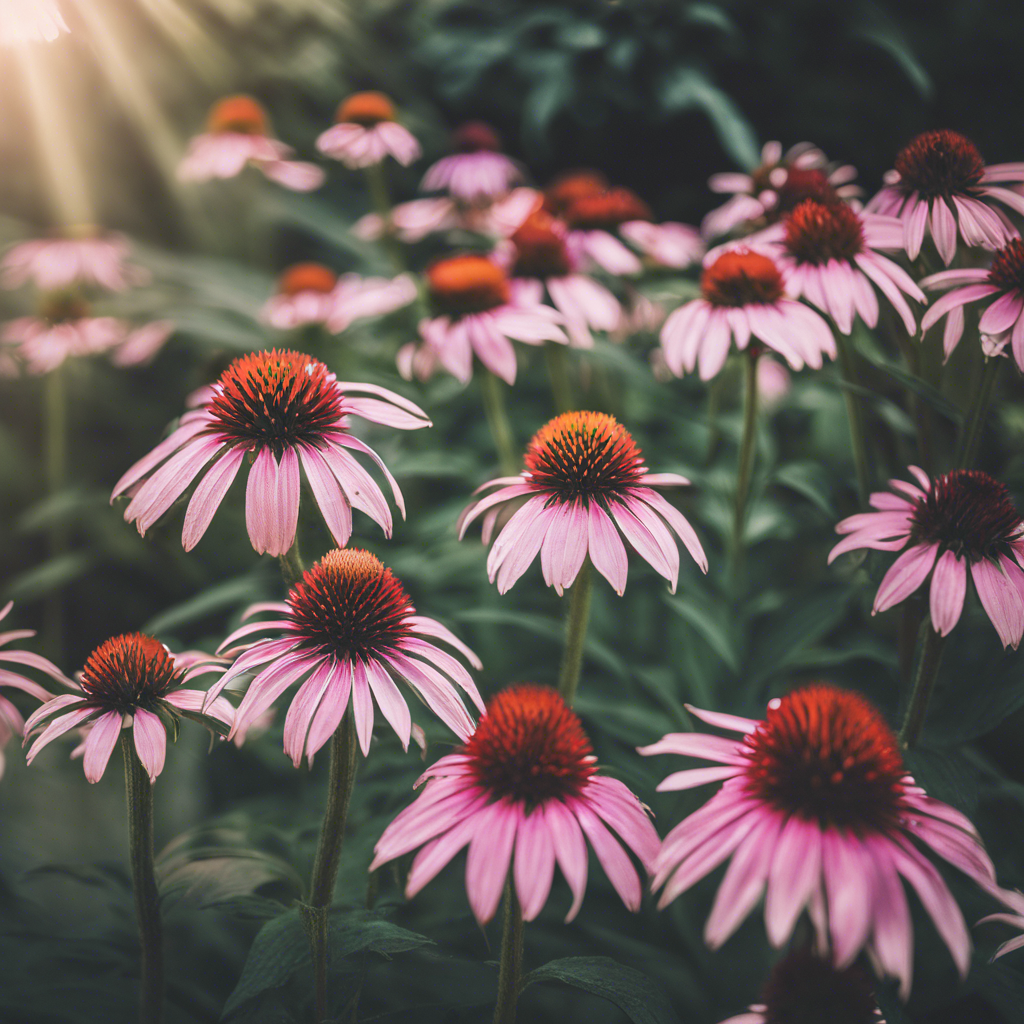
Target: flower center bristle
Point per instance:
(348, 604)
(307, 277)
(529, 746)
(740, 277)
(565, 190)
(476, 137)
(365, 108)
(467, 284)
(802, 183)
(276, 399)
(605, 211)
(941, 163)
(968, 513)
(128, 672)
(540, 248)
(827, 756)
(806, 989)
(62, 307)
(819, 232)
(583, 456)
(240, 114)
(1007, 270)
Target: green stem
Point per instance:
(328, 854)
(497, 419)
(510, 971)
(748, 445)
(139, 791)
(56, 440)
(556, 357)
(575, 632)
(924, 681)
(975, 422)
(291, 565)
(381, 200)
(855, 418)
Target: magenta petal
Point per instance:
(795, 873)
(490, 852)
(100, 743)
(534, 868)
(389, 699)
(208, 496)
(905, 575)
(615, 861)
(570, 850)
(1001, 601)
(150, 741)
(946, 598)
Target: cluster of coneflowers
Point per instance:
(816, 813)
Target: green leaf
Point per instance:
(51, 576)
(632, 992)
(241, 590)
(712, 631)
(810, 481)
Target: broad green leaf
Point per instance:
(700, 615)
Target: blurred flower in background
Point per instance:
(366, 132)
(23, 21)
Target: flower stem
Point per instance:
(328, 854)
(748, 444)
(510, 972)
(575, 632)
(139, 791)
(558, 370)
(56, 434)
(381, 200)
(497, 419)
(291, 565)
(975, 422)
(855, 417)
(924, 681)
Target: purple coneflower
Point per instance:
(365, 132)
(90, 258)
(478, 170)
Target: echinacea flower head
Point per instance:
(129, 682)
(349, 630)
(827, 253)
(237, 135)
(540, 264)
(594, 220)
(304, 295)
(365, 132)
(1013, 916)
(87, 258)
(941, 186)
(477, 314)
(277, 411)
(1000, 287)
(743, 296)
(818, 809)
(961, 520)
(478, 170)
(567, 188)
(584, 481)
(805, 988)
(669, 244)
(526, 782)
(30, 21)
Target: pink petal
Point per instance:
(570, 850)
(1001, 601)
(949, 585)
(534, 869)
(905, 575)
(150, 741)
(490, 852)
(100, 743)
(208, 496)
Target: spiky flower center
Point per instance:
(540, 248)
(565, 190)
(605, 211)
(806, 989)
(467, 284)
(62, 307)
(530, 747)
(827, 755)
(276, 399)
(802, 183)
(307, 277)
(240, 114)
(741, 278)
(583, 456)
(365, 108)
(819, 232)
(941, 163)
(968, 513)
(476, 137)
(1007, 270)
(350, 606)
(129, 672)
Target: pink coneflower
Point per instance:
(777, 186)
(56, 264)
(962, 519)
(478, 170)
(540, 263)
(941, 184)
(1002, 283)
(357, 297)
(1014, 900)
(584, 481)
(27, 21)
(476, 315)
(11, 721)
(238, 135)
(526, 780)
(305, 295)
(365, 132)
(349, 629)
(669, 244)
(129, 682)
(593, 217)
(278, 410)
(143, 343)
(806, 987)
(742, 296)
(827, 253)
(818, 807)
(561, 193)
